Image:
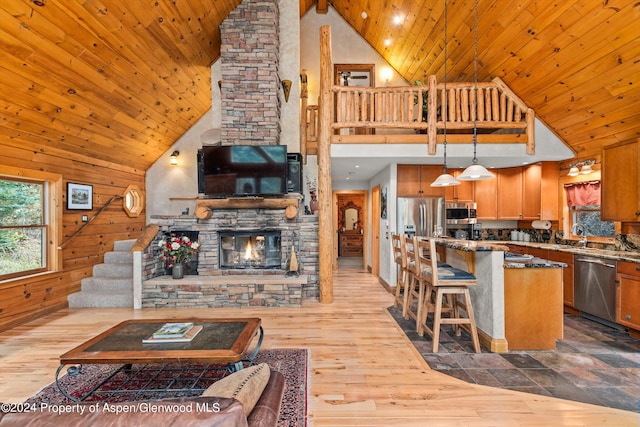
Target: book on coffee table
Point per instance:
(191, 333)
(173, 330)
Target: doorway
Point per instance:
(362, 75)
(349, 229)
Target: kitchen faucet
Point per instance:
(579, 230)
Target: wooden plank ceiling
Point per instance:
(122, 80)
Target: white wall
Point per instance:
(386, 179)
(164, 181)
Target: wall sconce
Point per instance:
(585, 168)
(173, 161)
(286, 87)
(386, 74)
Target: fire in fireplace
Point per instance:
(250, 249)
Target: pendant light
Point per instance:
(445, 179)
(475, 172)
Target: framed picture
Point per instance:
(383, 203)
(79, 196)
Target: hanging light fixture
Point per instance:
(445, 179)
(475, 172)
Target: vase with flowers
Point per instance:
(178, 250)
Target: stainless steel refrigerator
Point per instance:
(421, 215)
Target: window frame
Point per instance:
(51, 221)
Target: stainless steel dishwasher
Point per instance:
(595, 287)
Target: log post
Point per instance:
(432, 114)
(304, 124)
(530, 118)
(325, 224)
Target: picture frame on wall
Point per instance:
(79, 196)
(383, 203)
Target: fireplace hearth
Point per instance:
(250, 249)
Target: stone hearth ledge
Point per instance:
(223, 291)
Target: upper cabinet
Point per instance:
(460, 193)
(528, 192)
(518, 193)
(415, 180)
(620, 182)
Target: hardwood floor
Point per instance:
(363, 370)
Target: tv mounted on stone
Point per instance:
(242, 170)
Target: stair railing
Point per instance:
(79, 230)
(148, 235)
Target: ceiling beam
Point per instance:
(322, 7)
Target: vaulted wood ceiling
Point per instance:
(122, 80)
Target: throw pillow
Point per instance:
(246, 386)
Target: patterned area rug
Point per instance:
(109, 383)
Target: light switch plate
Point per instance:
(85, 218)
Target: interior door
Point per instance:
(375, 231)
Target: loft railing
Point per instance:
(500, 116)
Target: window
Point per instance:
(30, 211)
(23, 231)
(589, 217)
(583, 200)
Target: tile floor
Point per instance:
(593, 363)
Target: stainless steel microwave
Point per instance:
(461, 213)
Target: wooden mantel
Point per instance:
(289, 204)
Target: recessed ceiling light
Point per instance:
(397, 19)
(357, 166)
(364, 15)
(387, 42)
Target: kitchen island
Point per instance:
(512, 297)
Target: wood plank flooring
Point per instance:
(363, 370)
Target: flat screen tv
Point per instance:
(242, 170)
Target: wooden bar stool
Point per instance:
(400, 258)
(446, 293)
(413, 288)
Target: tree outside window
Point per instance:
(23, 230)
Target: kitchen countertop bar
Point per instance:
(486, 260)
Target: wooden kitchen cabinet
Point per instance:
(460, 193)
(509, 193)
(528, 192)
(415, 181)
(567, 274)
(533, 318)
(628, 295)
(486, 197)
(350, 244)
(621, 182)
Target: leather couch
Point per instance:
(191, 411)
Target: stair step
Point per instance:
(123, 245)
(113, 270)
(116, 257)
(100, 299)
(112, 284)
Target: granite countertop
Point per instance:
(528, 261)
(600, 253)
(471, 245)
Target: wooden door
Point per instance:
(375, 231)
(510, 193)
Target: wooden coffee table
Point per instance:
(220, 341)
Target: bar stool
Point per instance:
(446, 291)
(413, 288)
(400, 258)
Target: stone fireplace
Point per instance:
(244, 250)
(250, 249)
